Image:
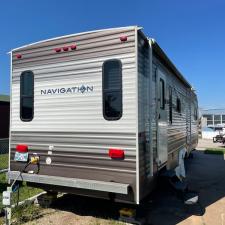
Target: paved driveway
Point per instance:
(206, 175)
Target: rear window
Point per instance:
(26, 96)
(112, 89)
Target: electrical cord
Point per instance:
(20, 172)
(17, 188)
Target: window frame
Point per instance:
(26, 96)
(119, 89)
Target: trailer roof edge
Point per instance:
(169, 63)
(75, 34)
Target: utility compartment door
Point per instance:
(162, 139)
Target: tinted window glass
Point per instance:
(112, 90)
(113, 104)
(112, 74)
(196, 114)
(170, 105)
(178, 105)
(26, 96)
(27, 108)
(27, 84)
(162, 94)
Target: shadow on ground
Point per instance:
(205, 175)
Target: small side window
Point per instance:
(112, 89)
(170, 105)
(178, 105)
(195, 114)
(26, 96)
(162, 93)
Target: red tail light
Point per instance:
(123, 38)
(116, 153)
(22, 148)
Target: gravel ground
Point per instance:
(68, 218)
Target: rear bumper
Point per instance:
(112, 187)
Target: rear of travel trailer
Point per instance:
(98, 114)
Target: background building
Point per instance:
(4, 123)
(212, 117)
(212, 122)
(4, 116)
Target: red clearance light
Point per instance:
(123, 38)
(73, 47)
(57, 49)
(65, 49)
(116, 153)
(22, 148)
(18, 56)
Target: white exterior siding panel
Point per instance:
(73, 122)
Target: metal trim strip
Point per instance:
(71, 182)
(137, 116)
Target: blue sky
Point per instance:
(192, 33)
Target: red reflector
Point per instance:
(18, 56)
(123, 38)
(22, 148)
(57, 49)
(73, 47)
(65, 49)
(116, 153)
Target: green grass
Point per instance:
(4, 161)
(24, 192)
(23, 214)
(216, 151)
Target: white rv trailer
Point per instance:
(104, 111)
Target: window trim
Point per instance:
(112, 90)
(21, 96)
